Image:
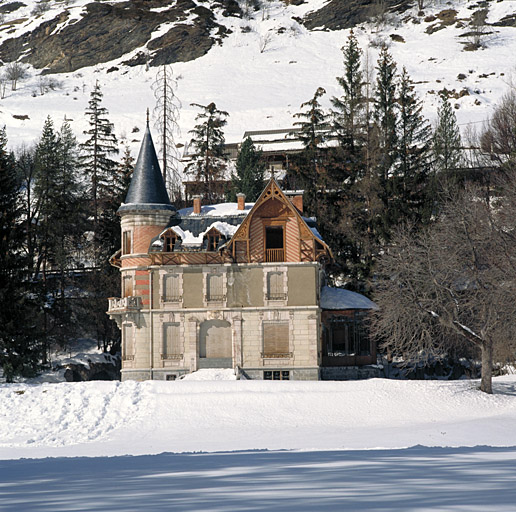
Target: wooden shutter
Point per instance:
(172, 345)
(128, 286)
(128, 342)
(275, 339)
(171, 288)
(276, 285)
(215, 288)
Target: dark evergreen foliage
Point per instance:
(209, 163)
(250, 169)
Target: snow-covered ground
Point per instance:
(262, 90)
(254, 445)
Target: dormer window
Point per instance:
(213, 241)
(170, 240)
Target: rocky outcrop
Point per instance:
(337, 14)
(107, 32)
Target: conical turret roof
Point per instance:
(147, 190)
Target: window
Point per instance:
(347, 336)
(128, 286)
(172, 346)
(215, 287)
(276, 339)
(169, 241)
(213, 241)
(171, 289)
(126, 242)
(276, 375)
(127, 342)
(171, 376)
(276, 286)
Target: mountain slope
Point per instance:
(259, 69)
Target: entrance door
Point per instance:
(215, 344)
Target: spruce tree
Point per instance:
(20, 342)
(209, 162)
(349, 108)
(97, 151)
(309, 165)
(447, 142)
(249, 177)
(412, 175)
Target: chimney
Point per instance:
(297, 201)
(197, 204)
(241, 201)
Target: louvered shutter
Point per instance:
(128, 342)
(215, 291)
(275, 338)
(171, 343)
(276, 288)
(171, 288)
(128, 286)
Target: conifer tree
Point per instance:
(210, 161)
(309, 165)
(97, 151)
(447, 142)
(411, 178)
(349, 109)
(20, 343)
(249, 177)
(384, 114)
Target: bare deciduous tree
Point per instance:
(14, 71)
(452, 287)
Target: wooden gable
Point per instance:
(273, 216)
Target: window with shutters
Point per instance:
(126, 242)
(172, 345)
(276, 339)
(171, 288)
(213, 241)
(215, 288)
(128, 286)
(276, 286)
(169, 242)
(127, 342)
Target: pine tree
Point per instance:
(97, 151)
(349, 109)
(411, 179)
(210, 161)
(447, 142)
(20, 344)
(249, 177)
(309, 165)
(384, 114)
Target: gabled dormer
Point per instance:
(274, 231)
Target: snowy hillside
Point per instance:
(265, 67)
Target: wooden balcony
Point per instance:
(274, 255)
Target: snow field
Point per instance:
(110, 418)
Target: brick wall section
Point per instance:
(141, 286)
(142, 237)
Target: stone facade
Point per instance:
(222, 286)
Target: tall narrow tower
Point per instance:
(144, 214)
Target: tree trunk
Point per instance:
(487, 367)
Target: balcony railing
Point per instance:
(133, 303)
(273, 255)
(214, 298)
(276, 296)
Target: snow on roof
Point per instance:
(188, 238)
(339, 298)
(217, 210)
